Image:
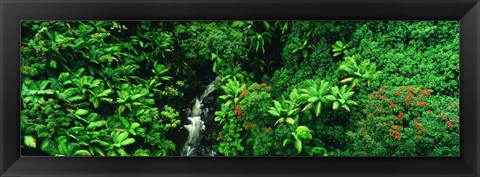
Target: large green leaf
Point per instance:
(278, 106)
(318, 109)
(298, 145)
(81, 112)
(122, 136)
(82, 153)
(274, 112)
(127, 142)
(335, 105)
(30, 141)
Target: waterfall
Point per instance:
(197, 125)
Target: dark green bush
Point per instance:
(422, 54)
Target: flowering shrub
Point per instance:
(407, 121)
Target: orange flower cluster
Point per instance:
(417, 124)
(383, 88)
(244, 92)
(449, 124)
(400, 116)
(392, 104)
(237, 111)
(394, 132)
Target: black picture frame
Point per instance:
(13, 11)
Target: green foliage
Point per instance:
(223, 43)
(107, 88)
(285, 111)
(341, 98)
(339, 47)
(355, 73)
(230, 143)
(94, 96)
(420, 53)
(315, 96)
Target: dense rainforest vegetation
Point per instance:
(279, 88)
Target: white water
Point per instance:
(196, 125)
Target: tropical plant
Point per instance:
(285, 111)
(315, 96)
(229, 142)
(341, 98)
(355, 73)
(339, 47)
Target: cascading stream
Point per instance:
(197, 116)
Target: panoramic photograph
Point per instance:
(240, 88)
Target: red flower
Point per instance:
(351, 135)
(419, 131)
(449, 124)
(237, 110)
(392, 105)
(416, 123)
(398, 92)
(399, 117)
(268, 129)
(427, 91)
(383, 88)
(423, 102)
(398, 128)
(410, 95)
(430, 111)
(40, 41)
